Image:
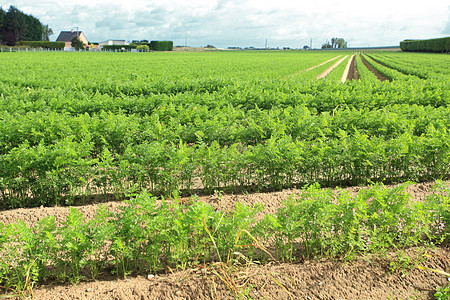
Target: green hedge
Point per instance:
(161, 45)
(432, 45)
(118, 47)
(42, 44)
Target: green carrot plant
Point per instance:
(150, 234)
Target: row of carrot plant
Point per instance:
(148, 235)
(66, 172)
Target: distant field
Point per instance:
(80, 124)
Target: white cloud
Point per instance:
(247, 22)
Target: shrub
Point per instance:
(42, 44)
(431, 45)
(143, 48)
(161, 45)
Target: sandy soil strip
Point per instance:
(328, 71)
(347, 69)
(299, 72)
(312, 68)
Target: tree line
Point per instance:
(335, 43)
(16, 26)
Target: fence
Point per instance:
(18, 49)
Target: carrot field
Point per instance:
(73, 125)
(142, 127)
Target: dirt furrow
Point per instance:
(350, 70)
(372, 69)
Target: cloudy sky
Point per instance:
(243, 23)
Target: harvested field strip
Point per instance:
(349, 69)
(372, 69)
(328, 71)
(316, 68)
(312, 68)
(337, 72)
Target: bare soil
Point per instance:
(324, 279)
(362, 278)
(372, 69)
(352, 72)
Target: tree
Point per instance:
(306, 47)
(77, 43)
(15, 24)
(335, 43)
(341, 43)
(46, 33)
(2, 19)
(33, 29)
(327, 45)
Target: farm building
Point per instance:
(114, 42)
(67, 36)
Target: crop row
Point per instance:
(418, 68)
(67, 171)
(226, 125)
(218, 93)
(147, 235)
(364, 73)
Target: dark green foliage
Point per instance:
(2, 21)
(77, 43)
(161, 45)
(17, 26)
(42, 44)
(34, 29)
(432, 45)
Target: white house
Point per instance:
(114, 42)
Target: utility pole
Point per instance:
(266, 43)
(310, 44)
(185, 41)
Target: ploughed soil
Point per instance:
(371, 277)
(372, 69)
(352, 72)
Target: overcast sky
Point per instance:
(243, 23)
